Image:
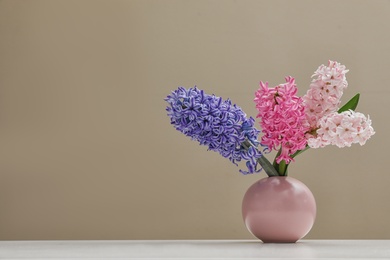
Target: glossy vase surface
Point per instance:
(279, 209)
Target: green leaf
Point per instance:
(351, 104)
(267, 167)
(265, 164)
(282, 168)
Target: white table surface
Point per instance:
(195, 249)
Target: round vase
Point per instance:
(279, 209)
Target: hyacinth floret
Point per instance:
(216, 123)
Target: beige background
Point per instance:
(86, 148)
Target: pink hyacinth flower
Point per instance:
(342, 130)
(325, 92)
(283, 119)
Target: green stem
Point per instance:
(300, 151)
(283, 168)
(275, 164)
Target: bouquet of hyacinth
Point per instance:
(289, 124)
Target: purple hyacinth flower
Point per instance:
(216, 123)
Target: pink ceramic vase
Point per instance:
(279, 209)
